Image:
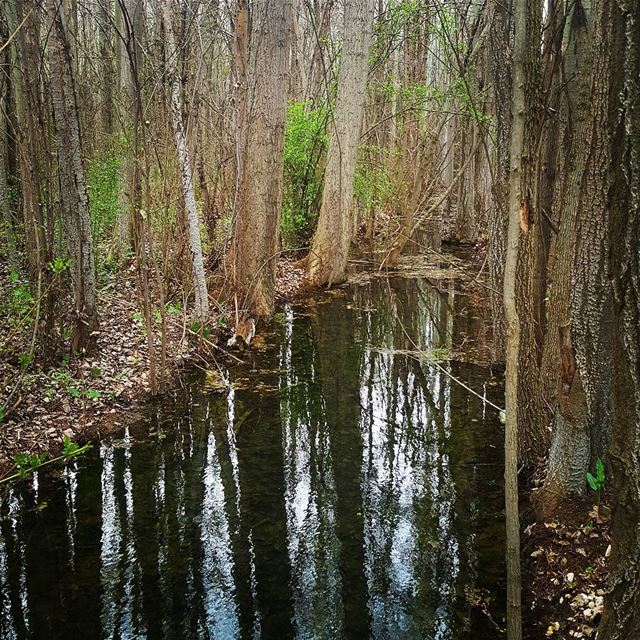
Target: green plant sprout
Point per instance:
(597, 482)
(26, 463)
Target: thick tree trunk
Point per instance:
(186, 175)
(256, 225)
(327, 260)
(499, 69)
(621, 619)
(74, 198)
(581, 288)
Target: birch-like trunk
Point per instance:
(186, 175)
(327, 260)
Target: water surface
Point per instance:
(340, 489)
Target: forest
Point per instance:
(320, 319)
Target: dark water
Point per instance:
(339, 490)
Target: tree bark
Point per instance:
(581, 291)
(74, 198)
(621, 618)
(256, 225)
(186, 174)
(327, 260)
(499, 69)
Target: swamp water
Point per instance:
(340, 489)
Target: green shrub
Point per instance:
(103, 176)
(304, 150)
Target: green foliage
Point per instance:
(62, 379)
(304, 147)
(103, 176)
(71, 449)
(372, 185)
(25, 359)
(174, 307)
(58, 265)
(20, 299)
(27, 462)
(3, 412)
(597, 482)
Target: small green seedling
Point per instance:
(597, 482)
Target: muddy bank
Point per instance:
(84, 398)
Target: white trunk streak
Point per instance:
(330, 247)
(186, 177)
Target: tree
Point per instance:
(327, 259)
(621, 620)
(186, 174)
(256, 225)
(499, 70)
(519, 274)
(74, 199)
(580, 323)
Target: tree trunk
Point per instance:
(6, 219)
(327, 260)
(517, 271)
(105, 29)
(186, 175)
(528, 270)
(621, 619)
(499, 68)
(256, 225)
(581, 287)
(74, 198)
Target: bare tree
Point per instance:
(186, 174)
(256, 226)
(327, 260)
(74, 198)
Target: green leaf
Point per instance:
(593, 483)
(69, 448)
(600, 471)
(73, 392)
(92, 394)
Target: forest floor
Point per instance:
(84, 399)
(81, 399)
(565, 570)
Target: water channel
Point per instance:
(340, 487)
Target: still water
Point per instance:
(337, 489)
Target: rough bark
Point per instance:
(327, 260)
(499, 69)
(621, 619)
(256, 226)
(526, 307)
(513, 329)
(581, 289)
(186, 174)
(74, 198)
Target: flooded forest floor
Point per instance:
(564, 560)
